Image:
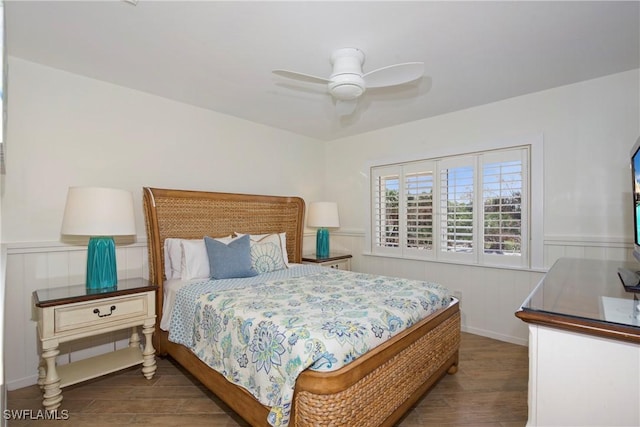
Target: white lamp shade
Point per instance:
(323, 214)
(96, 211)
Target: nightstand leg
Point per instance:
(52, 394)
(134, 340)
(42, 373)
(148, 354)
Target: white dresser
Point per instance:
(584, 347)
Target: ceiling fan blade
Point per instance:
(394, 74)
(300, 76)
(346, 108)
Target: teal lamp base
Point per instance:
(101, 264)
(322, 243)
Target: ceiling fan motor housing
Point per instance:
(346, 81)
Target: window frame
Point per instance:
(531, 234)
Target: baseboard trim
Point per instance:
(22, 382)
(500, 337)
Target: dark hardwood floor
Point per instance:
(489, 390)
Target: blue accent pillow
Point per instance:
(228, 261)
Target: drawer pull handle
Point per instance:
(111, 310)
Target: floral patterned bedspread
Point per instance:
(261, 336)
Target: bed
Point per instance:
(377, 388)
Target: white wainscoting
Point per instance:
(614, 249)
(32, 266)
(489, 296)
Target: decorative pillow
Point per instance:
(266, 253)
(232, 260)
(283, 243)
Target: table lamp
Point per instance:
(323, 215)
(100, 213)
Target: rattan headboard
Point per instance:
(195, 214)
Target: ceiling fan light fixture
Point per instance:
(346, 86)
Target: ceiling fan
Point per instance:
(347, 82)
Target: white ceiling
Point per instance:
(219, 55)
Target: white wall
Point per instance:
(588, 130)
(67, 130)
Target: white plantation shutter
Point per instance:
(504, 204)
(386, 208)
(470, 208)
(418, 207)
(457, 208)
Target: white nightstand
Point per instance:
(338, 261)
(72, 312)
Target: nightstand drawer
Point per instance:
(344, 264)
(99, 312)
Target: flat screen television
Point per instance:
(631, 279)
(635, 181)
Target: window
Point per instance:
(470, 208)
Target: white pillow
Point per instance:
(195, 262)
(173, 258)
(283, 243)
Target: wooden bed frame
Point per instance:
(376, 389)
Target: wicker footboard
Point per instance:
(386, 393)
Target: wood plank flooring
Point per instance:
(489, 390)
